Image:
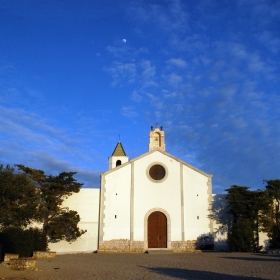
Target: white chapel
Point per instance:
(153, 201)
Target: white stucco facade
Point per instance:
(129, 195)
(86, 203)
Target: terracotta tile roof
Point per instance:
(119, 151)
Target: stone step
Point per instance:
(159, 251)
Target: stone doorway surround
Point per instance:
(146, 226)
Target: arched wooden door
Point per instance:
(157, 230)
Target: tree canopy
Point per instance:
(31, 196)
(19, 199)
(253, 211)
(271, 220)
(58, 222)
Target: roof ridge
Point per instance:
(165, 153)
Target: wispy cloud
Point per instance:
(122, 71)
(179, 62)
(135, 96)
(166, 94)
(174, 79)
(129, 111)
(29, 139)
(172, 17)
(148, 73)
(53, 165)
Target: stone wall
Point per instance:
(43, 254)
(184, 246)
(23, 263)
(14, 262)
(121, 245)
(125, 245)
(8, 257)
(137, 246)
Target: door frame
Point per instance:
(146, 226)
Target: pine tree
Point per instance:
(271, 219)
(58, 223)
(19, 199)
(247, 209)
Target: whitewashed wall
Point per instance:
(221, 222)
(129, 195)
(86, 203)
(163, 195)
(117, 204)
(196, 203)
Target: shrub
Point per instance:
(241, 236)
(22, 242)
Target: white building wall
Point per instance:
(221, 222)
(86, 203)
(129, 194)
(264, 240)
(116, 220)
(149, 195)
(196, 203)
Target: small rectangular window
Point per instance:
(197, 217)
(115, 216)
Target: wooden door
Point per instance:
(157, 230)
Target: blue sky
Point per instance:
(74, 75)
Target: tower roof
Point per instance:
(119, 151)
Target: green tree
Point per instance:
(19, 199)
(69, 231)
(271, 219)
(238, 198)
(241, 236)
(58, 223)
(259, 204)
(247, 209)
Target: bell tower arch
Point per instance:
(157, 139)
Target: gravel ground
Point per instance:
(230, 266)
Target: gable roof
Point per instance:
(119, 151)
(165, 153)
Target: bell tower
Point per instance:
(118, 157)
(157, 139)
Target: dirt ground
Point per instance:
(210, 265)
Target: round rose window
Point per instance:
(157, 172)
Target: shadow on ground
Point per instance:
(268, 259)
(194, 274)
